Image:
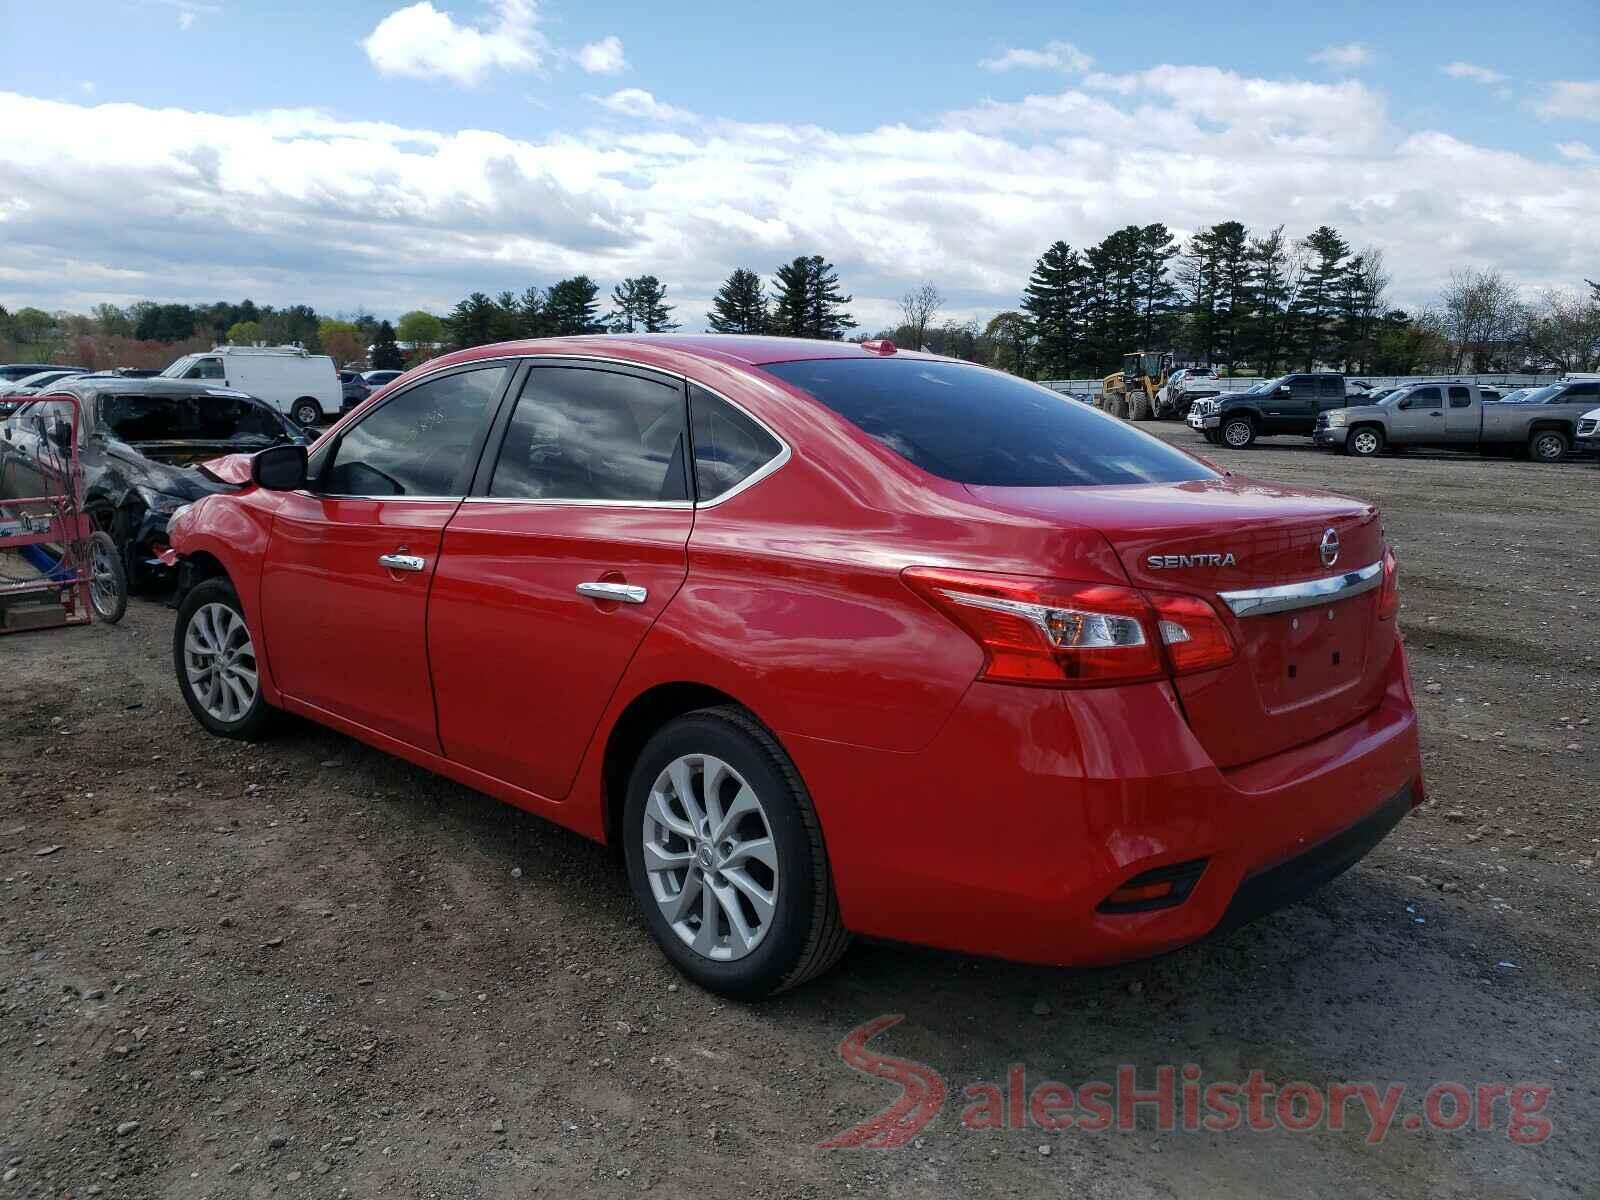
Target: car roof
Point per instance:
(664, 348)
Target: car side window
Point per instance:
(584, 433)
(1424, 397)
(1586, 393)
(728, 446)
(418, 444)
(1329, 387)
(1460, 397)
(206, 368)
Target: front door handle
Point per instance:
(402, 562)
(626, 592)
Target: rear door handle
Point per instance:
(627, 593)
(402, 562)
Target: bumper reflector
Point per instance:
(1163, 887)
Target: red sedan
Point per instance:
(831, 638)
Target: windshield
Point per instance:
(1397, 394)
(176, 370)
(981, 427)
(146, 418)
(1542, 395)
(1266, 385)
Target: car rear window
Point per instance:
(981, 427)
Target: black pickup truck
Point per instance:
(1288, 404)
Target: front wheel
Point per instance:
(1547, 445)
(306, 412)
(725, 857)
(108, 579)
(1238, 432)
(1365, 442)
(1212, 436)
(215, 656)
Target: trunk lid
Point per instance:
(1299, 674)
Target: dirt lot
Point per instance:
(308, 969)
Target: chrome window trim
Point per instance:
(557, 502)
(1260, 602)
(770, 467)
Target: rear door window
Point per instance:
(1460, 397)
(589, 434)
(1586, 393)
(982, 427)
(420, 443)
(729, 447)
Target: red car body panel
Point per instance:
(957, 812)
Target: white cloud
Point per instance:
(1572, 98)
(298, 205)
(1577, 151)
(1056, 56)
(604, 57)
(1348, 55)
(636, 102)
(185, 19)
(424, 42)
(1472, 71)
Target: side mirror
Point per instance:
(1404, 404)
(279, 468)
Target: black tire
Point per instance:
(1548, 445)
(108, 589)
(1237, 432)
(256, 721)
(1364, 441)
(805, 936)
(306, 411)
(1212, 436)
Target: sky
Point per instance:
(388, 155)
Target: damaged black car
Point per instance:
(140, 449)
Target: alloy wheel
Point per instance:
(1366, 442)
(710, 858)
(220, 661)
(1548, 447)
(1237, 434)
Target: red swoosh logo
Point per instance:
(921, 1096)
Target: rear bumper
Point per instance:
(1004, 836)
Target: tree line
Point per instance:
(1257, 303)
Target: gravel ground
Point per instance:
(308, 969)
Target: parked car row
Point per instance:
(1437, 413)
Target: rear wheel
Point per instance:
(1547, 445)
(1238, 432)
(306, 411)
(725, 857)
(215, 656)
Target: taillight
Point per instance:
(1389, 597)
(1045, 632)
(1195, 637)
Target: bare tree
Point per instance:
(1482, 316)
(1564, 328)
(918, 308)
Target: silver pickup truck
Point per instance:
(1456, 416)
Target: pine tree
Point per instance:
(1054, 300)
(471, 322)
(1317, 303)
(506, 324)
(572, 306)
(1274, 286)
(1231, 248)
(807, 301)
(740, 305)
(1156, 248)
(386, 354)
(639, 305)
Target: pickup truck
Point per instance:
(1288, 404)
(1454, 416)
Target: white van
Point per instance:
(305, 386)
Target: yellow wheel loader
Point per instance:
(1131, 392)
